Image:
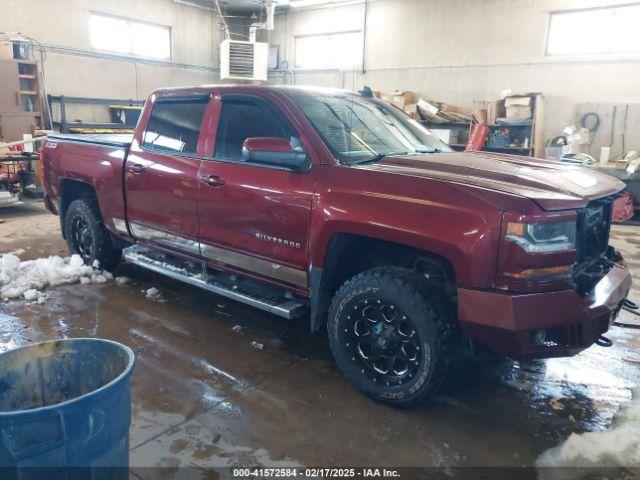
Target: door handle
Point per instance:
(212, 180)
(137, 168)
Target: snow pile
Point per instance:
(26, 279)
(619, 446)
(6, 199)
(122, 281)
(154, 294)
(36, 295)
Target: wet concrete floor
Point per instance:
(203, 396)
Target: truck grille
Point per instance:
(594, 258)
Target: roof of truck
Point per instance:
(286, 89)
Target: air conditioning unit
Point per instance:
(243, 60)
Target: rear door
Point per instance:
(161, 174)
(254, 218)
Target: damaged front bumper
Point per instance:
(542, 325)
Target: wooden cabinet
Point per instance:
(20, 105)
(9, 101)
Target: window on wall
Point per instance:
(130, 37)
(329, 50)
(595, 31)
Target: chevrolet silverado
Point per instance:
(339, 208)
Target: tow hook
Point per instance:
(603, 341)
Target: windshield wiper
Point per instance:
(380, 156)
(376, 158)
(362, 161)
(422, 148)
(347, 129)
(428, 150)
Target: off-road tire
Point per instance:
(85, 214)
(431, 314)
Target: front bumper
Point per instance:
(507, 323)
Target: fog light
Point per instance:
(539, 337)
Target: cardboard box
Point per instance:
(6, 50)
(480, 115)
(427, 107)
(519, 111)
(517, 101)
(412, 110)
(399, 98)
(429, 111)
(577, 135)
(494, 111)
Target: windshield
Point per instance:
(358, 129)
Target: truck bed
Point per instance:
(108, 139)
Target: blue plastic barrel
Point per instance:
(65, 406)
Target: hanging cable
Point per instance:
(224, 22)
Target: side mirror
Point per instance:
(273, 151)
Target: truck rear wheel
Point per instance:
(87, 236)
(390, 335)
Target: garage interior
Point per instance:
(219, 386)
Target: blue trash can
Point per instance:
(65, 407)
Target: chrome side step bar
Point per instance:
(264, 297)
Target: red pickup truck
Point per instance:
(339, 208)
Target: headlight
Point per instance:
(543, 237)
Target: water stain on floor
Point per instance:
(203, 396)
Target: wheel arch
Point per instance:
(348, 254)
(71, 190)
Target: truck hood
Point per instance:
(553, 185)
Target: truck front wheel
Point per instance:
(87, 236)
(390, 334)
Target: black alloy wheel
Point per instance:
(384, 342)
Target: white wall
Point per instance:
(73, 68)
(464, 52)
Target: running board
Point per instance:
(264, 297)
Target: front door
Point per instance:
(254, 218)
(161, 175)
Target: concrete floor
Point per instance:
(203, 396)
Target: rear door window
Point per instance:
(245, 117)
(174, 125)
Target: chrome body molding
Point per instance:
(266, 268)
(120, 225)
(142, 232)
